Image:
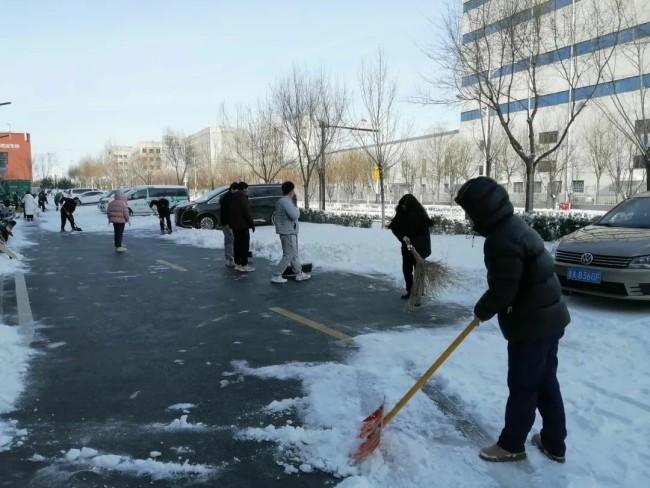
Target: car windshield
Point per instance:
(209, 196)
(634, 213)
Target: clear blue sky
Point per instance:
(79, 73)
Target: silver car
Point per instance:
(611, 257)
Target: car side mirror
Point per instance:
(595, 219)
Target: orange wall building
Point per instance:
(15, 156)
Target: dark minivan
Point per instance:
(203, 213)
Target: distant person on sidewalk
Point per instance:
(118, 215)
(164, 214)
(29, 206)
(42, 200)
(224, 220)
(287, 214)
(57, 199)
(240, 221)
(525, 293)
(411, 220)
(68, 206)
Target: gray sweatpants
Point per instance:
(289, 254)
(228, 244)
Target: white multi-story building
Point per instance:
(571, 55)
(120, 155)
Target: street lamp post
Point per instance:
(324, 126)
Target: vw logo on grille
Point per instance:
(586, 258)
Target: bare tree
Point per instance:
(44, 164)
(260, 143)
(628, 112)
(432, 150)
(179, 154)
(410, 172)
(459, 163)
(351, 171)
(143, 170)
(305, 102)
(600, 149)
(497, 66)
(378, 91)
(621, 167)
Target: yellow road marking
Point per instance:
(171, 265)
(310, 323)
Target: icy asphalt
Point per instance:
(122, 337)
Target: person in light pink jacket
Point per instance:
(118, 215)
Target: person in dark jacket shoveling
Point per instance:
(68, 206)
(525, 293)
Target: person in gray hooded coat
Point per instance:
(286, 225)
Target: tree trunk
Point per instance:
(306, 196)
(530, 185)
(597, 188)
(381, 193)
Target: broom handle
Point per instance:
(461, 337)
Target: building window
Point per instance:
(480, 170)
(546, 165)
(144, 150)
(641, 128)
(578, 186)
(639, 162)
(446, 187)
(548, 137)
(157, 150)
(537, 187)
(518, 187)
(557, 187)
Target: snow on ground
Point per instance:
(604, 374)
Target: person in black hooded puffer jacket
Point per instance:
(412, 221)
(525, 293)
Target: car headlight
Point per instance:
(640, 262)
(553, 248)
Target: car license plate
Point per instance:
(585, 275)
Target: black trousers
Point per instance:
(65, 215)
(118, 233)
(532, 381)
(408, 266)
(242, 241)
(162, 219)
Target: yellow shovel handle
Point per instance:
(461, 337)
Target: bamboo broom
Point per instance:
(429, 278)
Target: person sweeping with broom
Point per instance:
(411, 220)
(525, 293)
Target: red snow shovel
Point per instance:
(370, 432)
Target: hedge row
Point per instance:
(549, 227)
(347, 220)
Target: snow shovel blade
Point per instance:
(370, 433)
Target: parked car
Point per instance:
(108, 197)
(204, 212)
(90, 197)
(138, 197)
(78, 191)
(611, 257)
